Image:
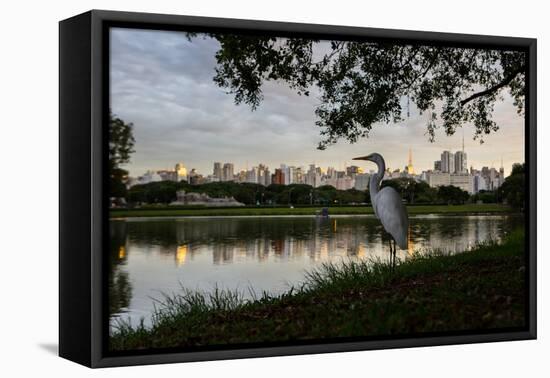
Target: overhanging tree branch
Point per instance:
(507, 80)
(361, 84)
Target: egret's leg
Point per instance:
(394, 253)
(390, 253)
(394, 250)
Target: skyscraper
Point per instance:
(227, 174)
(353, 170)
(267, 177)
(447, 162)
(181, 172)
(461, 165)
(409, 168)
(460, 162)
(289, 175)
(313, 176)
(278, 177)
(252, 175)
(217, 174)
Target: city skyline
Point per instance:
(370, 168)
(451, 169)
(162, 83)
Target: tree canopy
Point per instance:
(413, 192)
(363, 83)
(513, 188)
(121, 146)
(164, 192)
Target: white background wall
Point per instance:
(29, 188)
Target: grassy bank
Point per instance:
(480, 289)
(336, 210)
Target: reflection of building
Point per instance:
(222, 253)
(302, 242)
(410, 242)
(121, 252)
(181, 254)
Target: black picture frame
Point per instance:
(83, 229)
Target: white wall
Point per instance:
(28, 317)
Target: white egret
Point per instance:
(388, 206)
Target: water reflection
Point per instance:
(120, 289)
(149, 256)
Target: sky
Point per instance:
(162, 83)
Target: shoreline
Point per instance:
(470, 209)
(356, 299)
(335, 216)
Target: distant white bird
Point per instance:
(387, 205)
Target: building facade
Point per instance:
(227, 172)
(217, 172)
(362, 181)
(180, 172)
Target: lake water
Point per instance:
(152, 256)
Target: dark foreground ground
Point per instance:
(477, 290)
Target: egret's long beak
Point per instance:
(368, 157)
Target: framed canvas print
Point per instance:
(233, 188)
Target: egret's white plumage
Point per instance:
(387, 204)
(393, 215)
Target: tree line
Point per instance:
(412, 192)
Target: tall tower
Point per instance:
(460, 160)
(228, 172)
(410, 168)
(217, 173)
(447, 162)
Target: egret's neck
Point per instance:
(375, 179)
(373, 186)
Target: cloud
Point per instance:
(162, 82)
